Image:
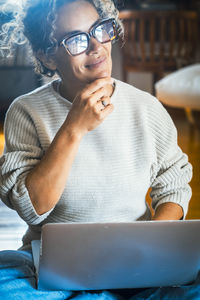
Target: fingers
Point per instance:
(96, 85)
(101, 104)
(103, 111)
(94, 91)
(102, 94)
(107, 110)
(98, 96)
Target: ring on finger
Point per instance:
(104, 103)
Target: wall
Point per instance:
(140, 80)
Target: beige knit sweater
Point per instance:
(133, 149)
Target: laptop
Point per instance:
(96, 256)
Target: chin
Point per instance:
(100, 74)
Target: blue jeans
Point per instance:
(18, 282)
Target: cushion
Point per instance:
(181, 88)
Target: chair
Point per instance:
(158, 41)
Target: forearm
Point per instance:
(46, 181)
(168, 211)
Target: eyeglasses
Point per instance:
(78, 43)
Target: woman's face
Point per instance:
(96, 61)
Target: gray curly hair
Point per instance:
(34, 23)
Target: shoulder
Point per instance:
(136, 96)
(34, 104)
(145, 109)
(139, 101)
(31, 107)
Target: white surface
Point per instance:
(11, 239)
(181, 88)
(12, 228)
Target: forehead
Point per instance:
(77, 15)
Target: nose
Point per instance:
(94, 46)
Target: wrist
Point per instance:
(73, 133)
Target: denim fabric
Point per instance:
(18, 282)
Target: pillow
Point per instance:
(180, 88)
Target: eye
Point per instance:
(77, 43)
(101, 33)
(105, 32)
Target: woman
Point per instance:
(86, 147)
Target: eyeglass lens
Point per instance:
(78, 44)
(104, 32)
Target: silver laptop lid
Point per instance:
(119, 255)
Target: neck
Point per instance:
(68, 92)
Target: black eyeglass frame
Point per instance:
(90, 34)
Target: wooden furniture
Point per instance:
(158, 41)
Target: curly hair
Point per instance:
(34, 23)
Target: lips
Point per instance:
(96, 63)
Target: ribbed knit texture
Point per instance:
(133, 149)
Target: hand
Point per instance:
(87, 110)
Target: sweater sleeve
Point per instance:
(172, 172)
(21, 153)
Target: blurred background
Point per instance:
(161, 38)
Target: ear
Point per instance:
(46, 60)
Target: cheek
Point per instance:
(63, 61)
(77, 64)
(108, 49)
(70, 65)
